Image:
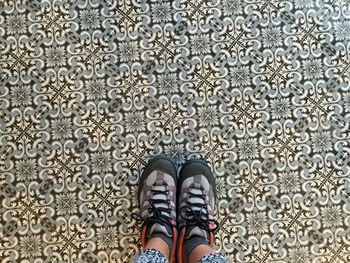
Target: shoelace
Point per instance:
(194, 217)
(156, 212)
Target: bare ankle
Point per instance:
(199, 252)
(160, 245)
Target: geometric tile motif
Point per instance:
(91, 90)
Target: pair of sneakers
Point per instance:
(170, 205)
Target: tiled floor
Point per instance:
(90, 90)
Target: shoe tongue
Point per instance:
(196, 231)
(158, 228)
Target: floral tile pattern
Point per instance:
(90, 90)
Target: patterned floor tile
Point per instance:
(240, 250)
(92, 90)
(344, 253)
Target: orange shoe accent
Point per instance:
(143, 236)
(172, 254)
(181, 245)
(211, 236)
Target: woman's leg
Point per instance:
(199, 252)
(159, 244)
(205, 254)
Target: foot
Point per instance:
(157, 197)
(196, 203)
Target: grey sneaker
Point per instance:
(157, 197)
(196, 203)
